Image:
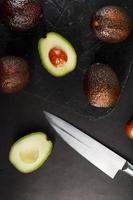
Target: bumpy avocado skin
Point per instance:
(111, 24)
(49, 67)
(15, 74)
(101, 86)
(21, 15)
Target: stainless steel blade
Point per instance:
(99, 155)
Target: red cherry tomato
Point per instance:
(129, 130)
(57, 57)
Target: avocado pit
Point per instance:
(57, 54)
(57, 57)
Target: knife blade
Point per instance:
(99, 155)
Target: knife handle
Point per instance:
(128, 168)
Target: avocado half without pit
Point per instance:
(57, 54)
(30, 152)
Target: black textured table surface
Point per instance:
(66, 175)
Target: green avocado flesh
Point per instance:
(30, 152)
(54, 40)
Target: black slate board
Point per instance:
(72, 20)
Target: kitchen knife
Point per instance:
(103, 158)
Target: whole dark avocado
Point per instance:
(15, 74)
(111, 24)
(101, 86)
(21, 15)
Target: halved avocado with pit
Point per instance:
(30, 152)
(57, 54)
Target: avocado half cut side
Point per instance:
(29, 152)
(54, 40)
